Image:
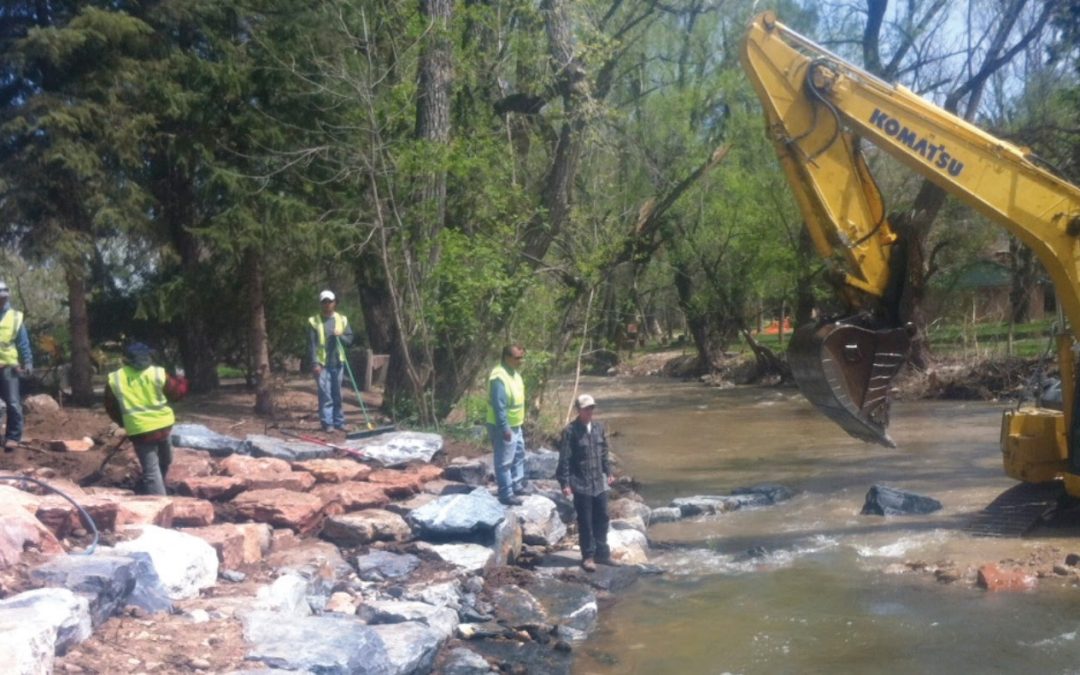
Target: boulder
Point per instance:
(317, 561)
(551, 490)
(518, 608)
(442, 619)
(332, 644)
(106, 580)
(665, 514)
(199, 437)
(365, 527)
(12, 497)
(469, 471)
(299, 511)
(267, 473)
(84, 444)
(628, 508)
(628, 546)
(149, 593)
(19, 530)
(476, 513)
(634, 523)
(887, 501)
(241, 465)
(191, 512)
(145, 510)
(540, 521)
(347, 497)
(425, 472)
(396, 484)
(442, 487)
(213, 488)
(506, 540)
(705, 505)
(410, 646)
(764, 495)
(40, 405)
(286, 595)
(188, 464)
(467, 557)
(569, 605)
(186, 564)
(290, 451)
(68, 614)
(461, 661)
(541, 464)
(109, 513)
(440, 594)
(27, 647)
(399, 448)
(402, 508)
(383, 565)
(227, 542)
(334, 470)
(341, 603)
(525, 657)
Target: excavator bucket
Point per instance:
(845, 370)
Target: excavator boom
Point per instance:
(819, 112)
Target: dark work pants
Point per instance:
(155, 458)
(9, 393)
(592, 522)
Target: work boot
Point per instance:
(606, 560)
(588, 565)
(510, 501)
(10, 445)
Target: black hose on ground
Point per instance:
(82, 512)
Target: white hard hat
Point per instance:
(326, 295)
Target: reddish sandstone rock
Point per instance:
(188, 464)
(299, 511)
(84, 444)
(144, 510)
(191, 512)
(397, 484)
(353, 496)
(299, 481)
(214, 488)
(994, 578)
(242, 465)
(365, 527)
(334, 470)
(425, 472)
(237, 544)
(11, 497)
(61, 516)
(20, 530)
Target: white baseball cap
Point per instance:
(585, 401)
(4, 292)
(326, 295)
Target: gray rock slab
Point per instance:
(541, 524)
(529, 657)
(570, 605)
(106, 580)
(290, 451)
(286, 595)
(441, 486)
(461, 661)
(886, 501)
(506, 540)
(399, 448)
(411, 647)
(764, 495)
(383, 565)
(330, 644)
(199, 437)
(541, 464)
(185, 563)
(476, 513)
(664, 514)
(467, 557)
(705, 505)
(149, 593)
(442, 619)
(67, 613)
(469, 471)
(518, 608)
(439, 594)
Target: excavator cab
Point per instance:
(846, 369)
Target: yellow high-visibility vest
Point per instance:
(9, 328)
(515, 396)
(141, 394)
(318, 323)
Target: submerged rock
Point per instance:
(887, 501)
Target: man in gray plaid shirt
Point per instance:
(585, 473)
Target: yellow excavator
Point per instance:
(819, 109)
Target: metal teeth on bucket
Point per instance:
(846, 370)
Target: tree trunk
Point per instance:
(82, 387)
(1023, 277)
(259, 344)
(697, 323)
(436, 71)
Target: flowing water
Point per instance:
(809, 585)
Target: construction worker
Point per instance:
(584, 473)
(138, 397)
(16, 360)
(505, 415)
(328, 334)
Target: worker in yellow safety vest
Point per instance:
(137, 396)
(329, 333)
(505, 415)
(16, 360)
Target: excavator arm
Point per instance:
(819, 109)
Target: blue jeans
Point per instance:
(9, 393)
(329, 384)
(509, 460)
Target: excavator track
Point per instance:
(846, 371)
(1016, 511)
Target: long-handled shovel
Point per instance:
(371, 430)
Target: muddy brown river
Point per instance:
(809, 585)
